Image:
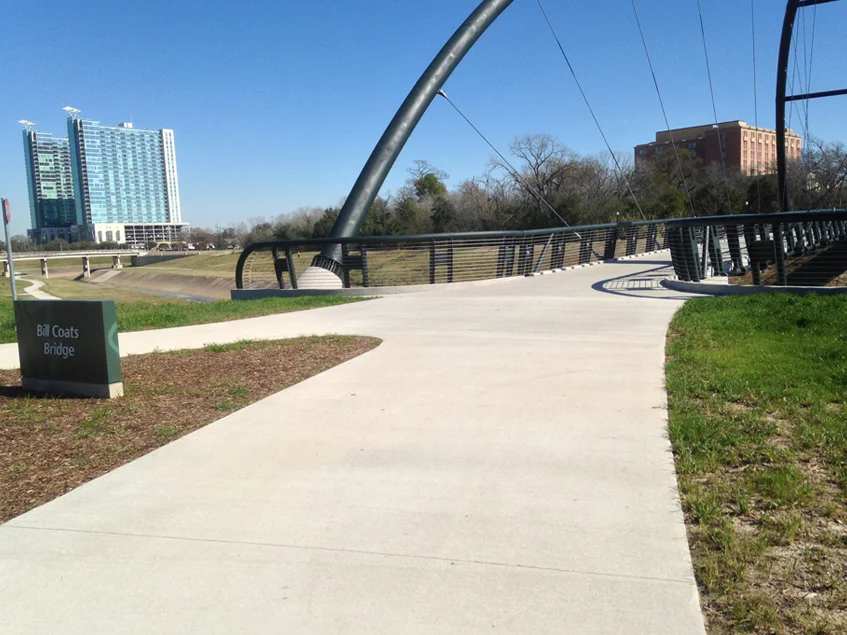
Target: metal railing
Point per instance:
(52, 255)
(380, 261)
(787, 249)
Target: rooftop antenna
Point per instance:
(28, 125)
(73, 113)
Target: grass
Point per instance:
(757, 390)
(156, 314)
(73, 290)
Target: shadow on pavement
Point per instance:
(644, 284)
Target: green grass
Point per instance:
(757, 388)
(141, 316)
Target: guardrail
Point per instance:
(379, 261)
(789, 249)
(40, 255)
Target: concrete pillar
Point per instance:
(6, 272)
(116, 262)
(44, 268)
(86, 267)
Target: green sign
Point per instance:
(69, 347)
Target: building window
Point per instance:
(659, 149)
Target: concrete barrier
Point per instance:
(150, 259)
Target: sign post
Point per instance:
(7, 218)
(69, 347)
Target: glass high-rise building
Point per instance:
(103, 183)
(125, 181)
(52, 206)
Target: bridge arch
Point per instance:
(397, 133)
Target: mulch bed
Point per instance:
(49, 446)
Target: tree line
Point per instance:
(545, 184)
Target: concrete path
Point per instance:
(499, 464)
(34, 290)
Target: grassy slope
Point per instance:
(216, 264)
(757, 388)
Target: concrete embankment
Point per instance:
(166, 283)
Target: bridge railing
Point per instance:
(787, 249)
(381, 261)
(50, 255)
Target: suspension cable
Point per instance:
(515, 174)
(809, 76)
(590, 109)
(756, 105)
(664, 112)
(714, 107)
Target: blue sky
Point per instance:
(277, 105)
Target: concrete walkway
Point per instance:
(499, 464)
(34, 290)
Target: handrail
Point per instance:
(519, 245)
(38, 255)
(809, 216)
(419, 239)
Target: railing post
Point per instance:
(652, 230)
(432, 262)
(366, 278)
(750, 232)
(732, 238)
(345, 270)
(779, 255)
(557, 257)
(611, 246)
(586, 243)
(689, 245)
(715, 252)
(289, 262)
(277, 267)
(501, 258)
(526, 256)
(631, 240)
(450, 261)
(674, 244)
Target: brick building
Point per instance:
(747, 148)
